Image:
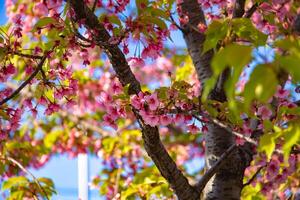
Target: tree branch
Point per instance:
(217, 139)
(94, 5)
(296, 25)
(27, 172)
(250, 12)
(152, 142)
(114, 53)
(177, 26)
(239, 8)
(26, 82)
(217, 165)
(195, 39)
(254, 176)
(220, 124)
(26, 55)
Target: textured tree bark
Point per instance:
(227, 182)
(152, 142)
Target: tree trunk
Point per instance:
(227, 183)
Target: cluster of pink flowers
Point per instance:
(149, 107)
(275, 173)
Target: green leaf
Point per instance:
(208, 86)
(182, 73)
(138, 5)
(215, 32)
(155, 20)
(159, 13)
(244, 28)
(109, 143)
(162, 93)
(228, 57)
(261, 86)
(290, 64)
(291, 137)
(46, 181)
(16, 195)
(4, 115)
(268, 125)
(11, 182)
(115, 20)
(43, 22)
(129, 192)
(3, 51)
(267, 144)
(289, 44)
(233, 55)
(52, 137)
(181, 86)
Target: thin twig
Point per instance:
(26, 82)
(217, 165)
(239, 8)
(26, 55)
(174, 22)
(44, 76)
(217, 122)
(29, 173)
(254, 176)
(248, 139)
(250, 12)
(94, 6)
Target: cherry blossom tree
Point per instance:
(99, 77)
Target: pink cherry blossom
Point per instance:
(40, 9)
(164, 64)
(152, 101)
(204, 129)
(152, 51)
(109, 121)
(192, 128)
(179, 118)
(273, 169)
(264, 112)
(150, 119)
(281, 93)
(137, 101)
(165, 120)
(10, 69)
(202, 27)
(113, 112)
(239, 141)
(136, 62)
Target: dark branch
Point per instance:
(177, 26)
(296, 25)
(195, 39)
(152, 142)
(239, 8)
(26, 55)
(250, 12)
(254, 176)
(26, 82)
(101, 36)
(94, 6)
(217, 165)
